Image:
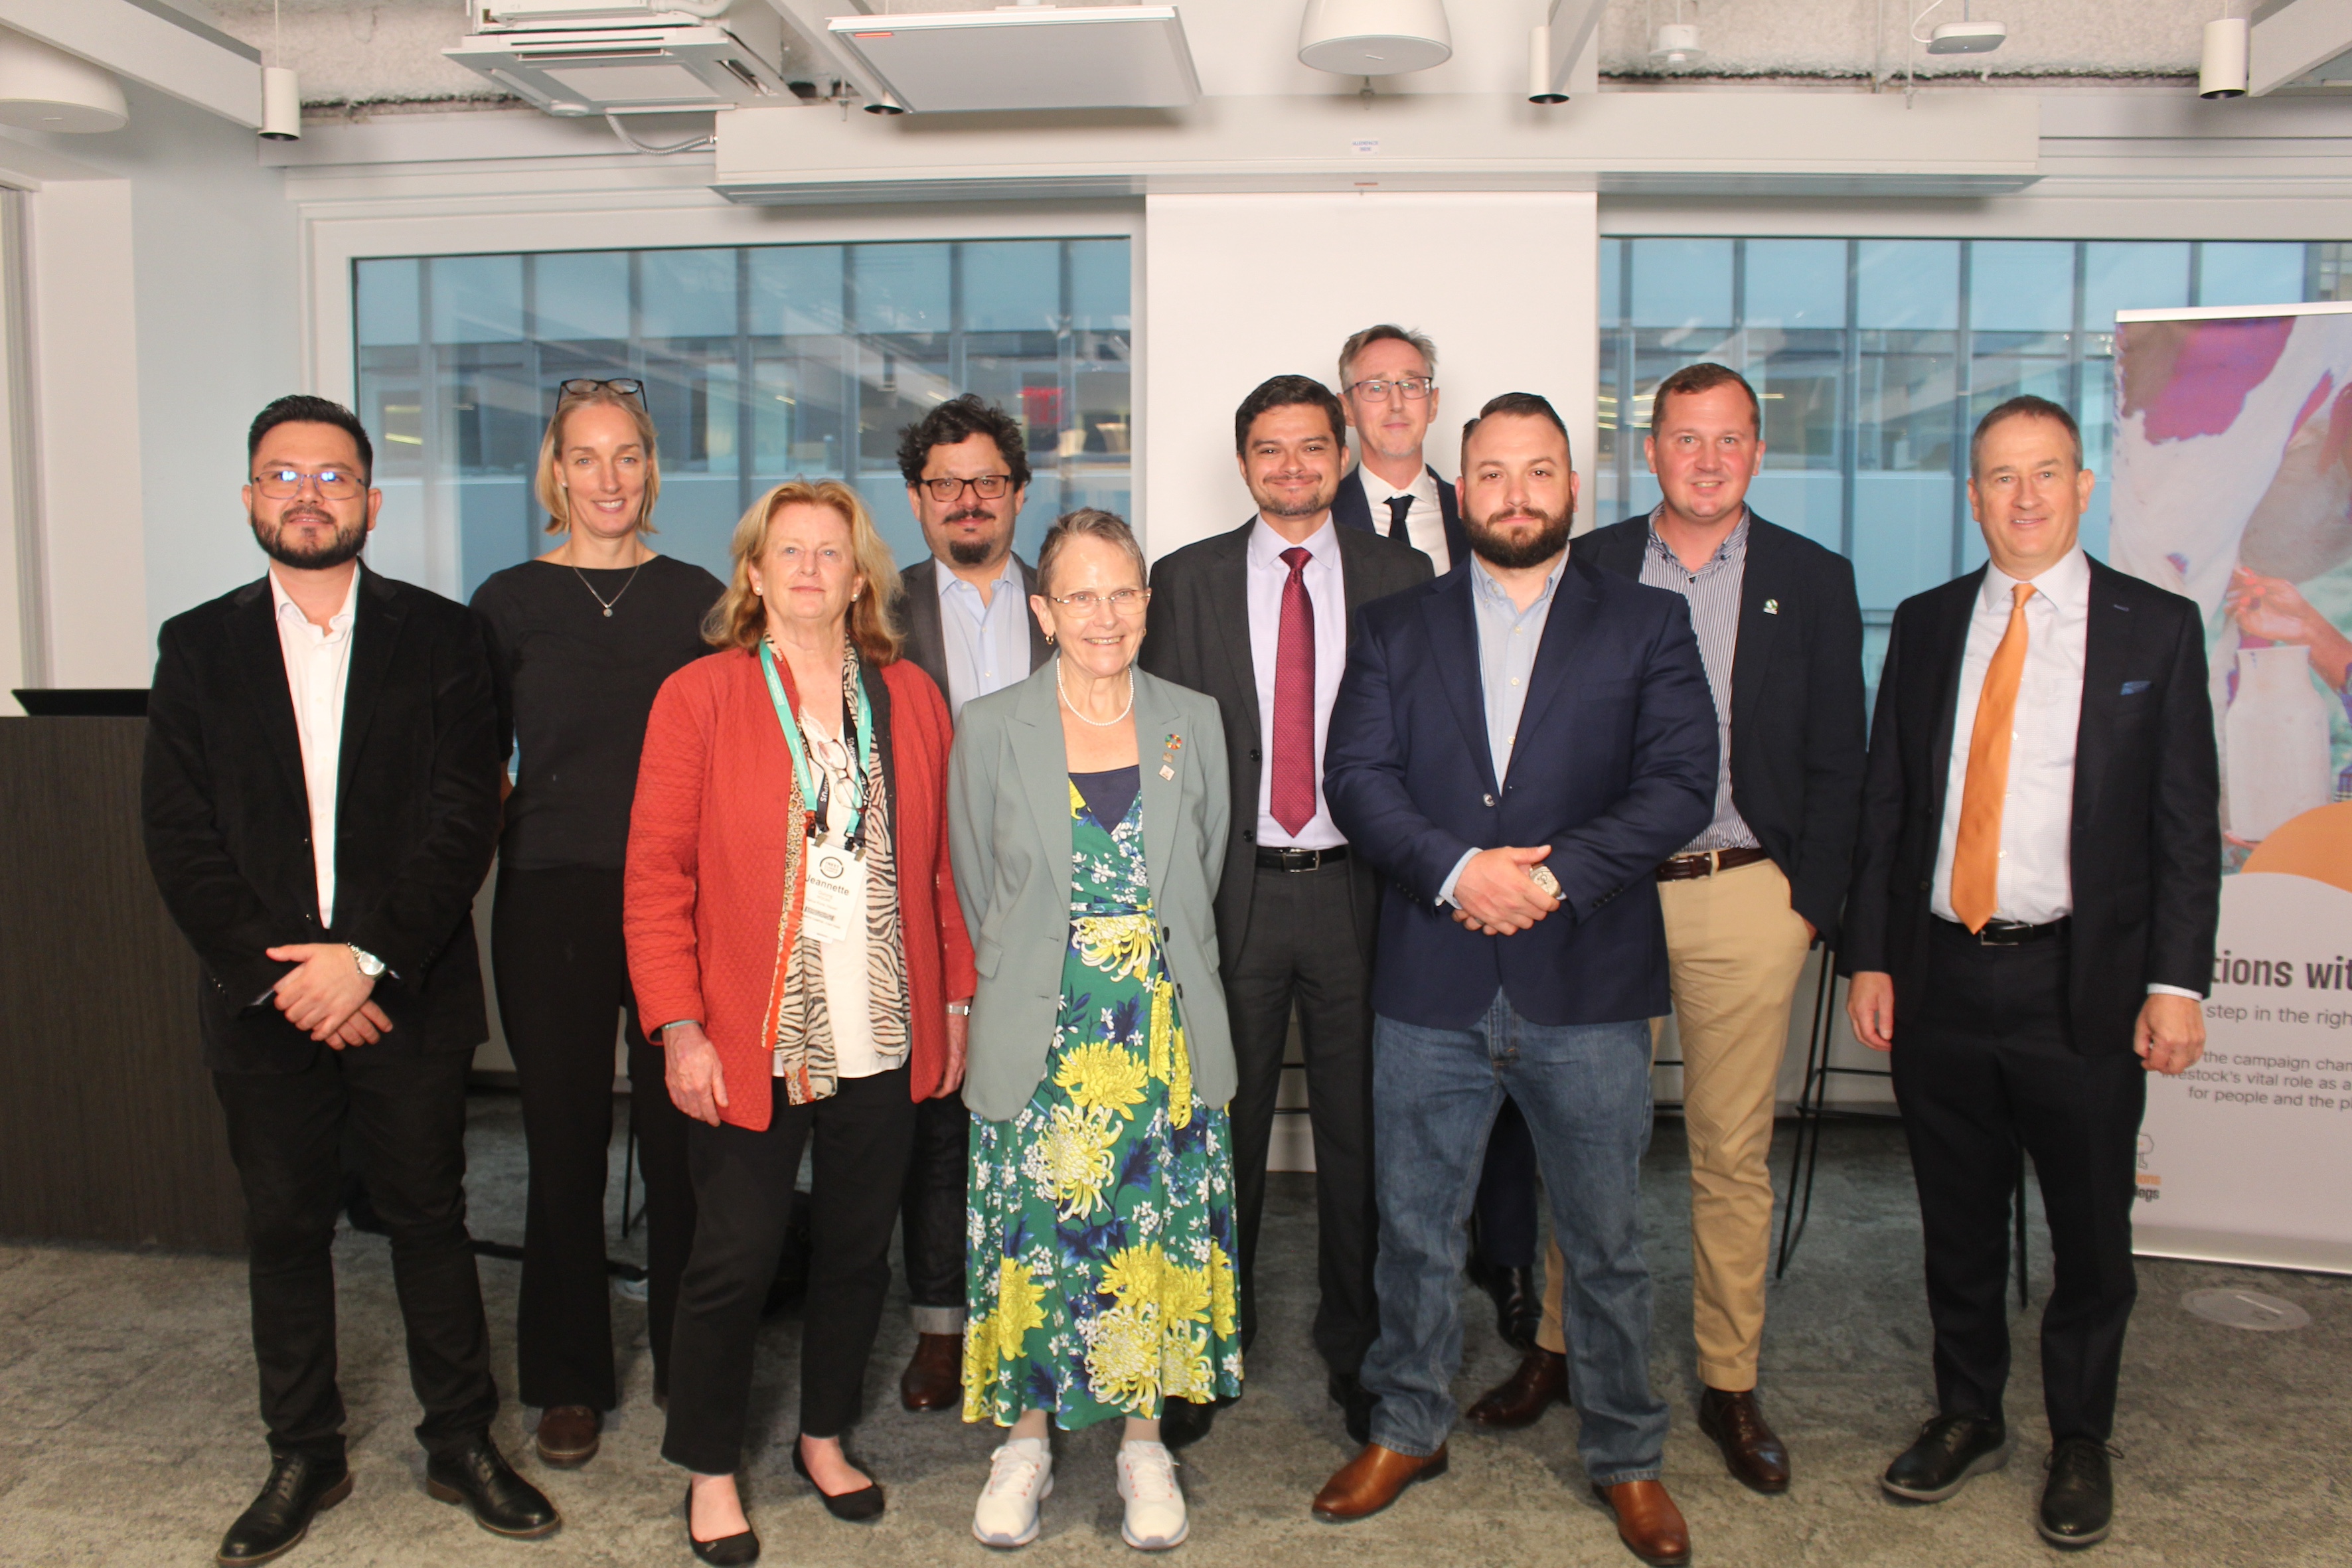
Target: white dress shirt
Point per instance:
(1328, 593)
(1425, 524)
(317, 669)
(987, 645)
(2035, 883)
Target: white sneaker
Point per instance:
(1020, 1476)
(1155, 1503)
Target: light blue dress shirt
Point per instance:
(1507, 639)
(987, 645)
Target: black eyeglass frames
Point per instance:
(628, 386)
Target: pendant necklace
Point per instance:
(1097, 723)
(607, 603)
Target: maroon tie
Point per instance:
(1292, 797)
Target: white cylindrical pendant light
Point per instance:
(1374, 37)
(1539, 84)
(281, 104)
(45, 88)
(2222, 71)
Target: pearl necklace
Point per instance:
(1097, 723)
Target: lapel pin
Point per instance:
(1168, 756)
(1771, 606)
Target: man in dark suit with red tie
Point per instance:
(2031, 933)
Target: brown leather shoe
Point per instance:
(1757, 1458)
(567, 1436)
(934, 1376)
(1520, 1399)
(1371, 1480)
(1648, 1522)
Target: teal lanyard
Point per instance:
(820, 801)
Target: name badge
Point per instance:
(835, 898)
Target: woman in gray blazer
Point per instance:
(1088, 813)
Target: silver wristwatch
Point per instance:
(370, 964)
(1542, 877)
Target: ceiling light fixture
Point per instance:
(45, 88)
(1961, 37)
(2222, 69)
(281, 91)
(1676, 44)
(1374, 37)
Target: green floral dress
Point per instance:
(1100, 1226)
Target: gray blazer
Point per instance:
(1009, 835)
(918, 609)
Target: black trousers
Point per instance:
(1985, 1066)
(743, 1189)
(563, 978)
(406, 1115)
(930, 1213)
(1507, 1193)
(1304, 950)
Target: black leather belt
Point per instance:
(2009, 933)
(1301, 859)
(1707, 863)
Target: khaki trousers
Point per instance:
(1734, 950)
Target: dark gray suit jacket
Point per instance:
(1199, 636)
(917, 611)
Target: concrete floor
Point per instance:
(127, 1431)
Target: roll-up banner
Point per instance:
(2232, 476)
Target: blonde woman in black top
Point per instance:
(580, 639)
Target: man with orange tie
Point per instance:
(2030, 931)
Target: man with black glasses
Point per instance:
(965, 613)
(321, 799)
(1388, 391)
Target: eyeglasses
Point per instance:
(1122, 601)
(285, 484)
(628, 386)
(1415, 387)
(987, 487)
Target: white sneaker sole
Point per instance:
(1127, 1536)
(1012, 1542)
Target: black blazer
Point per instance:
(1350, 508)
(917, 610)
(227, 815)
(1198, 635)
(2146, 854)
(1797, 737)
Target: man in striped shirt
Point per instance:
(1779, 632)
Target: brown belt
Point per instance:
(1707, 863)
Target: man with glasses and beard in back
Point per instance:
(965, 613)
(320, 800)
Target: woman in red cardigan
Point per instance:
(792, 919)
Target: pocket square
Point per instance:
(2134, 688)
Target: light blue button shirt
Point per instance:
(1507, 639)
(987, 645)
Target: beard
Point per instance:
(971, 551)
(1514, 553)
(345, 546)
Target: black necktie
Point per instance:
(1398, 507)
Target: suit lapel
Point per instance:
(2106, 655)
(1040, 651)
(1350, 508)
(1045, 764)
(1452, 626)
(1157, 729)
(376, 621)
(1229, 608)
(1951, 643)
(1759, 633)
(927, 639)
(1449, 510)
(253, 629)
(1565, 629)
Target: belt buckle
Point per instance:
(1296, 860)
(2001, 936)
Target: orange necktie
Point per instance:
(1976, 855)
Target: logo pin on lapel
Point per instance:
(1771, 606)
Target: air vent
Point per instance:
(635, 67)
(1027, 57)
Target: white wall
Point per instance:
(1240, 288)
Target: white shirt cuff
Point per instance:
(1445, 893)
(2155, 990)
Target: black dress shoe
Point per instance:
(857, 1507)
(298, 1489)
(2078, 1501)
(1355, 1402)
(501, 1502)
(1183, 1423)
(1518, 1305)
(729, 1551)
(1949, 1450)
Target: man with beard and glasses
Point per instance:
(1258, 618)
(965, 613)
(1515, 747)
(321, 800)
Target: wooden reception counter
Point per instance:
(108, 1130)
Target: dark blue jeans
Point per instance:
(1585, 1091)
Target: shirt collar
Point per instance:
(1266, 546)
(1483, 582)
(1733, 548)
(1376, 490)
(948, 581)
(337, 623)
(2067, 585)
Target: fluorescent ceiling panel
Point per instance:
(1032, 57)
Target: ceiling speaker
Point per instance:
(1374, 37)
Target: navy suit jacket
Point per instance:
(1350, 508)
(1614, 768)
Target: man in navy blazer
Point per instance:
(1388, 387)
(1521, 947)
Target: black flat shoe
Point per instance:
(479, 1478)
(729, 1551)
(1183, 1423)
(298, 1489)
(1948, 1451)
(857, 1507)
(2078, 1501)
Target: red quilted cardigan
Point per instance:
(705, 884)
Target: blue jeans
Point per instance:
(1585, 1091)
